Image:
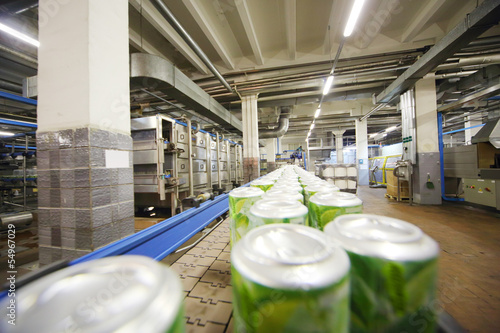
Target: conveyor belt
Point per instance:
(205, 271)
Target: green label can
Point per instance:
(240, 201)
(393, 273)
(324, 207)
(277, 211)
(289, 278)
(116, 294)
(263, 184)
(314, 188)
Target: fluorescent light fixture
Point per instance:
(312, 127)
(328, 85)
(2, 133)
(384, 135)
(309, 134)
(353, 17)
(390, 129)
(373, 135)
(19, 35)
(318, 111)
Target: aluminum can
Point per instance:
(277, 211)
(285, 193)
(314, 188)
(126, 294)
(393, 273)
(263, 184)
(324, 207)
(240, 201)
(289, 278)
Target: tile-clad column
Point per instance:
(85, 199)
(85, 176)
(251, 157)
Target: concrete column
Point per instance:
(270, 149)
(427, 165)
(251, 156)
(339, 143)
(85, 176)
(469, 133)
(362, 151)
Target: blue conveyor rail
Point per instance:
(160, 240)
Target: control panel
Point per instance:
(482, 191)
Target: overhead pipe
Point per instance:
(190, 157)
(219, 180)
(169, 16)
(284, 122)
(19, 55)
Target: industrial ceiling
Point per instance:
(283, 50)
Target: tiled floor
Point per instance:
(469, 285)
(469, 280)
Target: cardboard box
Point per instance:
(392, 186)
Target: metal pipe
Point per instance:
(228, 152)
(219, 181)
(208, 140)
(372, 111)
(24, 172)
(190, 157)
(17, 219)
(19, 55)
(282, 128)
(167, 14)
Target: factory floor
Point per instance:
(469, 280)
(469, 237)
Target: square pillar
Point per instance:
(427, 166)
(85, 175)
(339, 143)
(251, 156)
(362, 151)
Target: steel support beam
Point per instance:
(477, 22)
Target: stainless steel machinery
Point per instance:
(179, 165)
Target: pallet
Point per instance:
(392, 197)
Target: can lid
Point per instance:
(246, 192)
(282, 193)
(382, 236)
(262, 181)
(289, 256)
(125, 293)
(278, 208)
(321, 187)
(336, 199)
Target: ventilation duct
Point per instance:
(490, 132)
(282, 128)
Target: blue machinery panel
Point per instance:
(163, 238)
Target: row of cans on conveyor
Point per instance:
(358, 273)
(289, 195)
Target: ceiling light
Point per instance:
(390, 129)
(19, 35)
(312, 127)
(316, 115)
(2, 133)
(328, 85)
(353, 17)
(373, 135)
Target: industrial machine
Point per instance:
(473, 171)
(178, 165)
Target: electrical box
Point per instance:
(482, 191)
